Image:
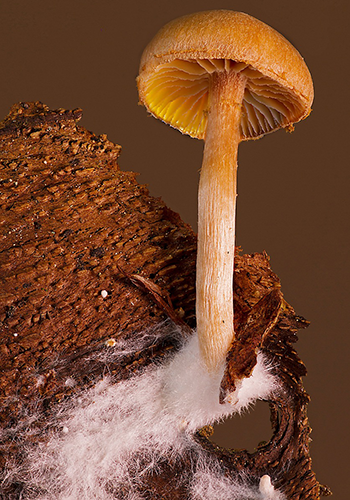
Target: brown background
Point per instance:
(293, 188)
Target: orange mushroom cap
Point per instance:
(176, 66)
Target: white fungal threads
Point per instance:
(70, 382)
(114, 434)
(210, 484)
(40, 380)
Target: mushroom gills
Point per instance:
(177, 93)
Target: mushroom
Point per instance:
(224, 77)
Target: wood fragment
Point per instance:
(72, 224)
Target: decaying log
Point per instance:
(87, 257)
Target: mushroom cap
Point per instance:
(176, 65)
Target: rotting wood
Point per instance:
(73, 225)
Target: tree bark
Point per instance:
(74, 225)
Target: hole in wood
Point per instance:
(244, 431)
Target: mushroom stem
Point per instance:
(216, 218)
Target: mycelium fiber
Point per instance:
(105, 440)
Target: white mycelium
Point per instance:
(109, 437)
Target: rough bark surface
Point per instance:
(73, 225)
